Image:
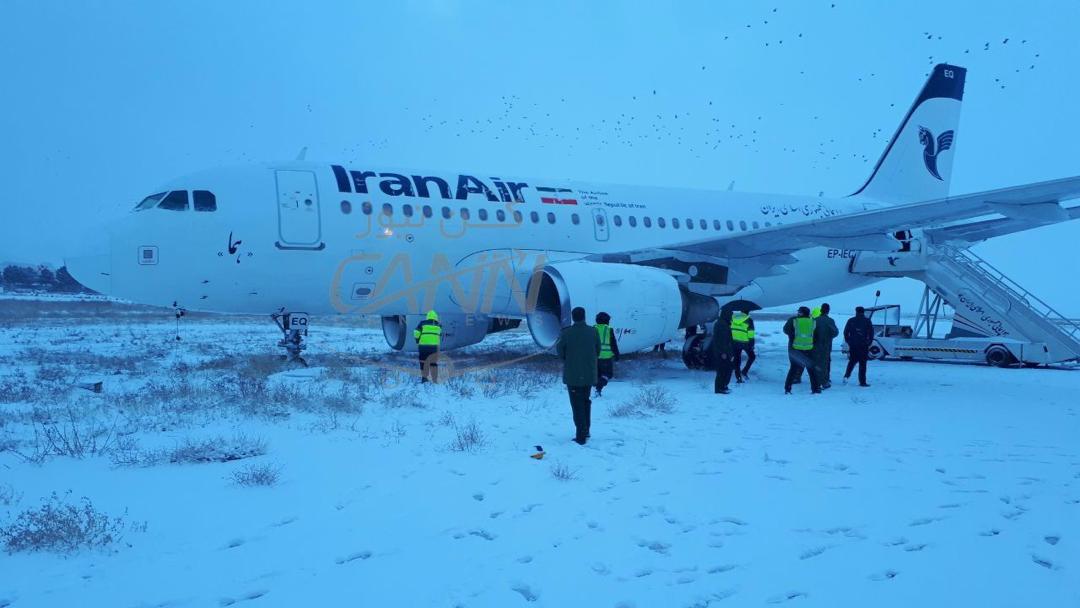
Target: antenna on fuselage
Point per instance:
(302, 155)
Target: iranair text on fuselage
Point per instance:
(459, 188)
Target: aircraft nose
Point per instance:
(90, 261)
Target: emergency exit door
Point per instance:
(299, 224)
(600, 224)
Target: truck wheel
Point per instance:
(999, 356)
(876, 351)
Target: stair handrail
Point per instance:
(968, 258)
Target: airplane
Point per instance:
(487, 251)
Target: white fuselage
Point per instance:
(314, 237)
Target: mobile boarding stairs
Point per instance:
(995, 319)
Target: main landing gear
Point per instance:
(294, 328)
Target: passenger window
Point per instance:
(518, 218)
(464, 213)
(387, 209)
(742, 224)
(661, 222)
(674, 222)
(647, 221)
(551, 217)
(716, 224)
(689, 224)
(575, 219)
(756, 225)
(427, 210)
(206, 201)
(767, 224)
(703, 224)
(150, 201)
(534, 216)
(407, 210)
(618, 220)
(500, 215)
(446, 213)
(483, 215)
(599, 220)
(346, 206)
(366, 207)
(633, 221)
(730, 225)
(177, 200)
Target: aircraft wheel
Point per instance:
(999, 356)
(695, 352)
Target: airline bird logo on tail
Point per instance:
(930, 155)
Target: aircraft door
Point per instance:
(600, 224)
(299, 224)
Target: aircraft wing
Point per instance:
(967, 233)
(870, 230)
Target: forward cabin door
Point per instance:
(299, 223)
(600, 224)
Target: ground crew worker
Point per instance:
(579, 348)
(723, 351)
(742, 333)
(428, 335)
(859, 335)
(816, 312)
(609, 352)
(824, 332)
(800, 333)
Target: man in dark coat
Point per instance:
(723, 351)
(859, 335)
(579, 348)
(824, 332)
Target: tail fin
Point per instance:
(917, 163)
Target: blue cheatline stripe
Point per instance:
(937, 86)
(342, 178)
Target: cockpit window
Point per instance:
(206, 201)
(150, 201)
(177, 200)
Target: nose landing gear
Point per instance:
(294, 328)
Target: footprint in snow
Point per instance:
(601, 569)
(1052, 539)
(484, 534)
(234, 543)
(478, 497)
(655, 546)
(922, 521)
(915, 547)
(990, 532)
(643, 573)
(526, 592)
(884, 576)
(1045, 563)
(784, 597)
(352, 557)
(253, 595)
(813, 552)
(733, 520)
(525, 559)
(284, 522)
(721, 569)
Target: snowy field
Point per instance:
(350, 485)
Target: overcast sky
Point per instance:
(103, 101)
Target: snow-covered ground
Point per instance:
(941, 485)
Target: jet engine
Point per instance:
(646, 304)
(457, 330)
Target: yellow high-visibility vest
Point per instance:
(804, 333)
(740, 327)
(605, 340)
(428, 334)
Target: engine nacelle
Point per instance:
(457, 330)
(646, 304)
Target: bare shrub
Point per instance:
(396, 432)
(68, 433)
(562, 472)
(624, 410)
(60, 526)
(462, 387)
(404, 398)
(16, 388)
(653, 399)
(468, 438)
(191, 451)
(8, 495)
(257, 474)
